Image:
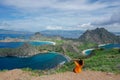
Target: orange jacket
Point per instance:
(79, 64)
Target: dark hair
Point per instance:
(81, 62)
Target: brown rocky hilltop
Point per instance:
(100, 36)
(18, 74)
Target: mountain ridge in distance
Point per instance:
(62, 33)
(75, 34)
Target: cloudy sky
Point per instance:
(37, 15)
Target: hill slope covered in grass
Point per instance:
(104, 60)
(101, 60)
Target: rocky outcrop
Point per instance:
(100, 36)
(25, 50)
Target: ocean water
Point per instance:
(109, 46)
(18, 44)
(39, 43)
(106, 46)
(10, 44)
(40, 61)
(88, 52)
(25, 36)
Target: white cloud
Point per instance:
(54, 28)
(28, 24)
(112, 19)
(27, 3)
(110, 22)
(86, 26)
(61, 14)
(79, 5)
(57, 4)
(111, 27)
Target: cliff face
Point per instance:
(100, 36)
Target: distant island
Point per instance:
(8, 39)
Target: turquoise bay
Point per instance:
(40, 61)
(104, 46)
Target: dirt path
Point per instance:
(85, 75)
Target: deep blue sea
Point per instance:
(40, 61)
(25, 36)
(18, 44)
